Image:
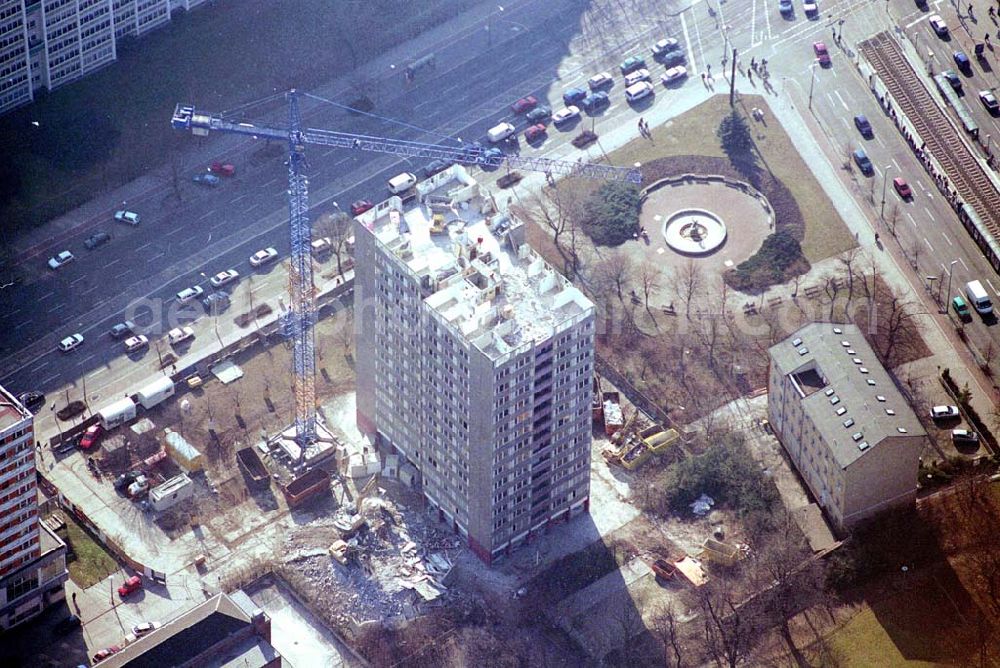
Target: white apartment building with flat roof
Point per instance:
(474, 362)
(49, 43)
(850, 432)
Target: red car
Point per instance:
(91, 436)
(524, 105)
(105, 653)
(822, 55)
(222, 168)
(902, 187)
(134, 583)
(359, 207)
(535, 132)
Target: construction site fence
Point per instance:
(632, 393)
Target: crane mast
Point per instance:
(299, 321)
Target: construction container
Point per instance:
(720, 553)
(186, 455)
(253, 468)
(613, 416)
(663, 569)
(313, 483)
(635, 456)
(171, 492)
(596, 405)
(154, 393)
(117, 413)
(659, 440)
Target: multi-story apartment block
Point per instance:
(474, 362)
(851, 434)
(32, 557)
(48, 43)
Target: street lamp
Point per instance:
(951, 270)
(812, 82)
(885, 181)
(931, 279)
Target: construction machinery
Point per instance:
(299, 320)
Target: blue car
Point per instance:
(863, 126)
(864, 164)
(962, 61)
(631, 64)
(785, 7)
(595, 101)
(573, 96)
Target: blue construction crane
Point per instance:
(301, 316)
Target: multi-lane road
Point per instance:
(536, 48)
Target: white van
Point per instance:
(638, 91)
(978, 297)
(402, 182)
(500, 132)
(129, 217)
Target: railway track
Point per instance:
(970, 180)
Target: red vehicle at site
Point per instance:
(90, 437)
(222, 168)
(133, 584)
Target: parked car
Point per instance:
(600, 80)
(637, 92)
(535, 132)
(902, 187)
(961, 308)
(938, 25)
(822, 54)
(66, 625)
(962, 61)
(524, 105)
(32, 400)
(135, 343)
(360, 206)
(125, 479)
(989, 101)
(263, 257)
(122, 329)
(785, 7)
(665, 46)
(128, 217)
(105, 653)
(594, 101)
(133, 584)
(673, 59)
(91, 436)
(223, 277)
(96, 239)
(573, 95)
(863, 126)
(944, 412)
(635, 76)
(146, 627)
(217, 301)
(863, 162)
(222, 168)
(188, 294)
(65, 257)
(70, 342)
(566, 115)
(631, 63)
(436, 167)
(179, 334)
(493, 153)
(810, 8)
(539, 114)
(207, 179)
(952, 78)
(674, 74)
(965, 436)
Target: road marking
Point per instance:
(145, 245)
(45, 296)
(896, 165)
(928, 244)
(964, 265)
(991, 287)
(98, 372)
(50, 378)
(85, 359)
(174, 231)
(837, 93)
(58, 307)
(203, 217)
(156, 256)
(237, 199)
(929, 214)
(947, 239)
(74, 282)
(23, 323)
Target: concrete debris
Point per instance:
(702, 505)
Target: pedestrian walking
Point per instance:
(750, 75)
(709, 66)
(753, 64)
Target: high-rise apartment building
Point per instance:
(48, 43)
(32, 557)
(474, 362)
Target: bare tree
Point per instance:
(614, 271)
(557, 211)
(337, 228)
(687, 281)
(848, 259)
(667, 629)
(729, 632)
(650, 280)
(899, 332)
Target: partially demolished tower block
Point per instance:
(474, 363)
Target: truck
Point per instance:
(613, 418)
(154, 393)
(978, 298)
(171, 492)
(312, 483)
(116, 414)
(253, 468)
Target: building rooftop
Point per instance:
(476, 271)
(192, 634)
(846, 391)
(11, 411)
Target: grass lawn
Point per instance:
(693, 133)
(92, 562)
(918, 627)
(114, 125)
